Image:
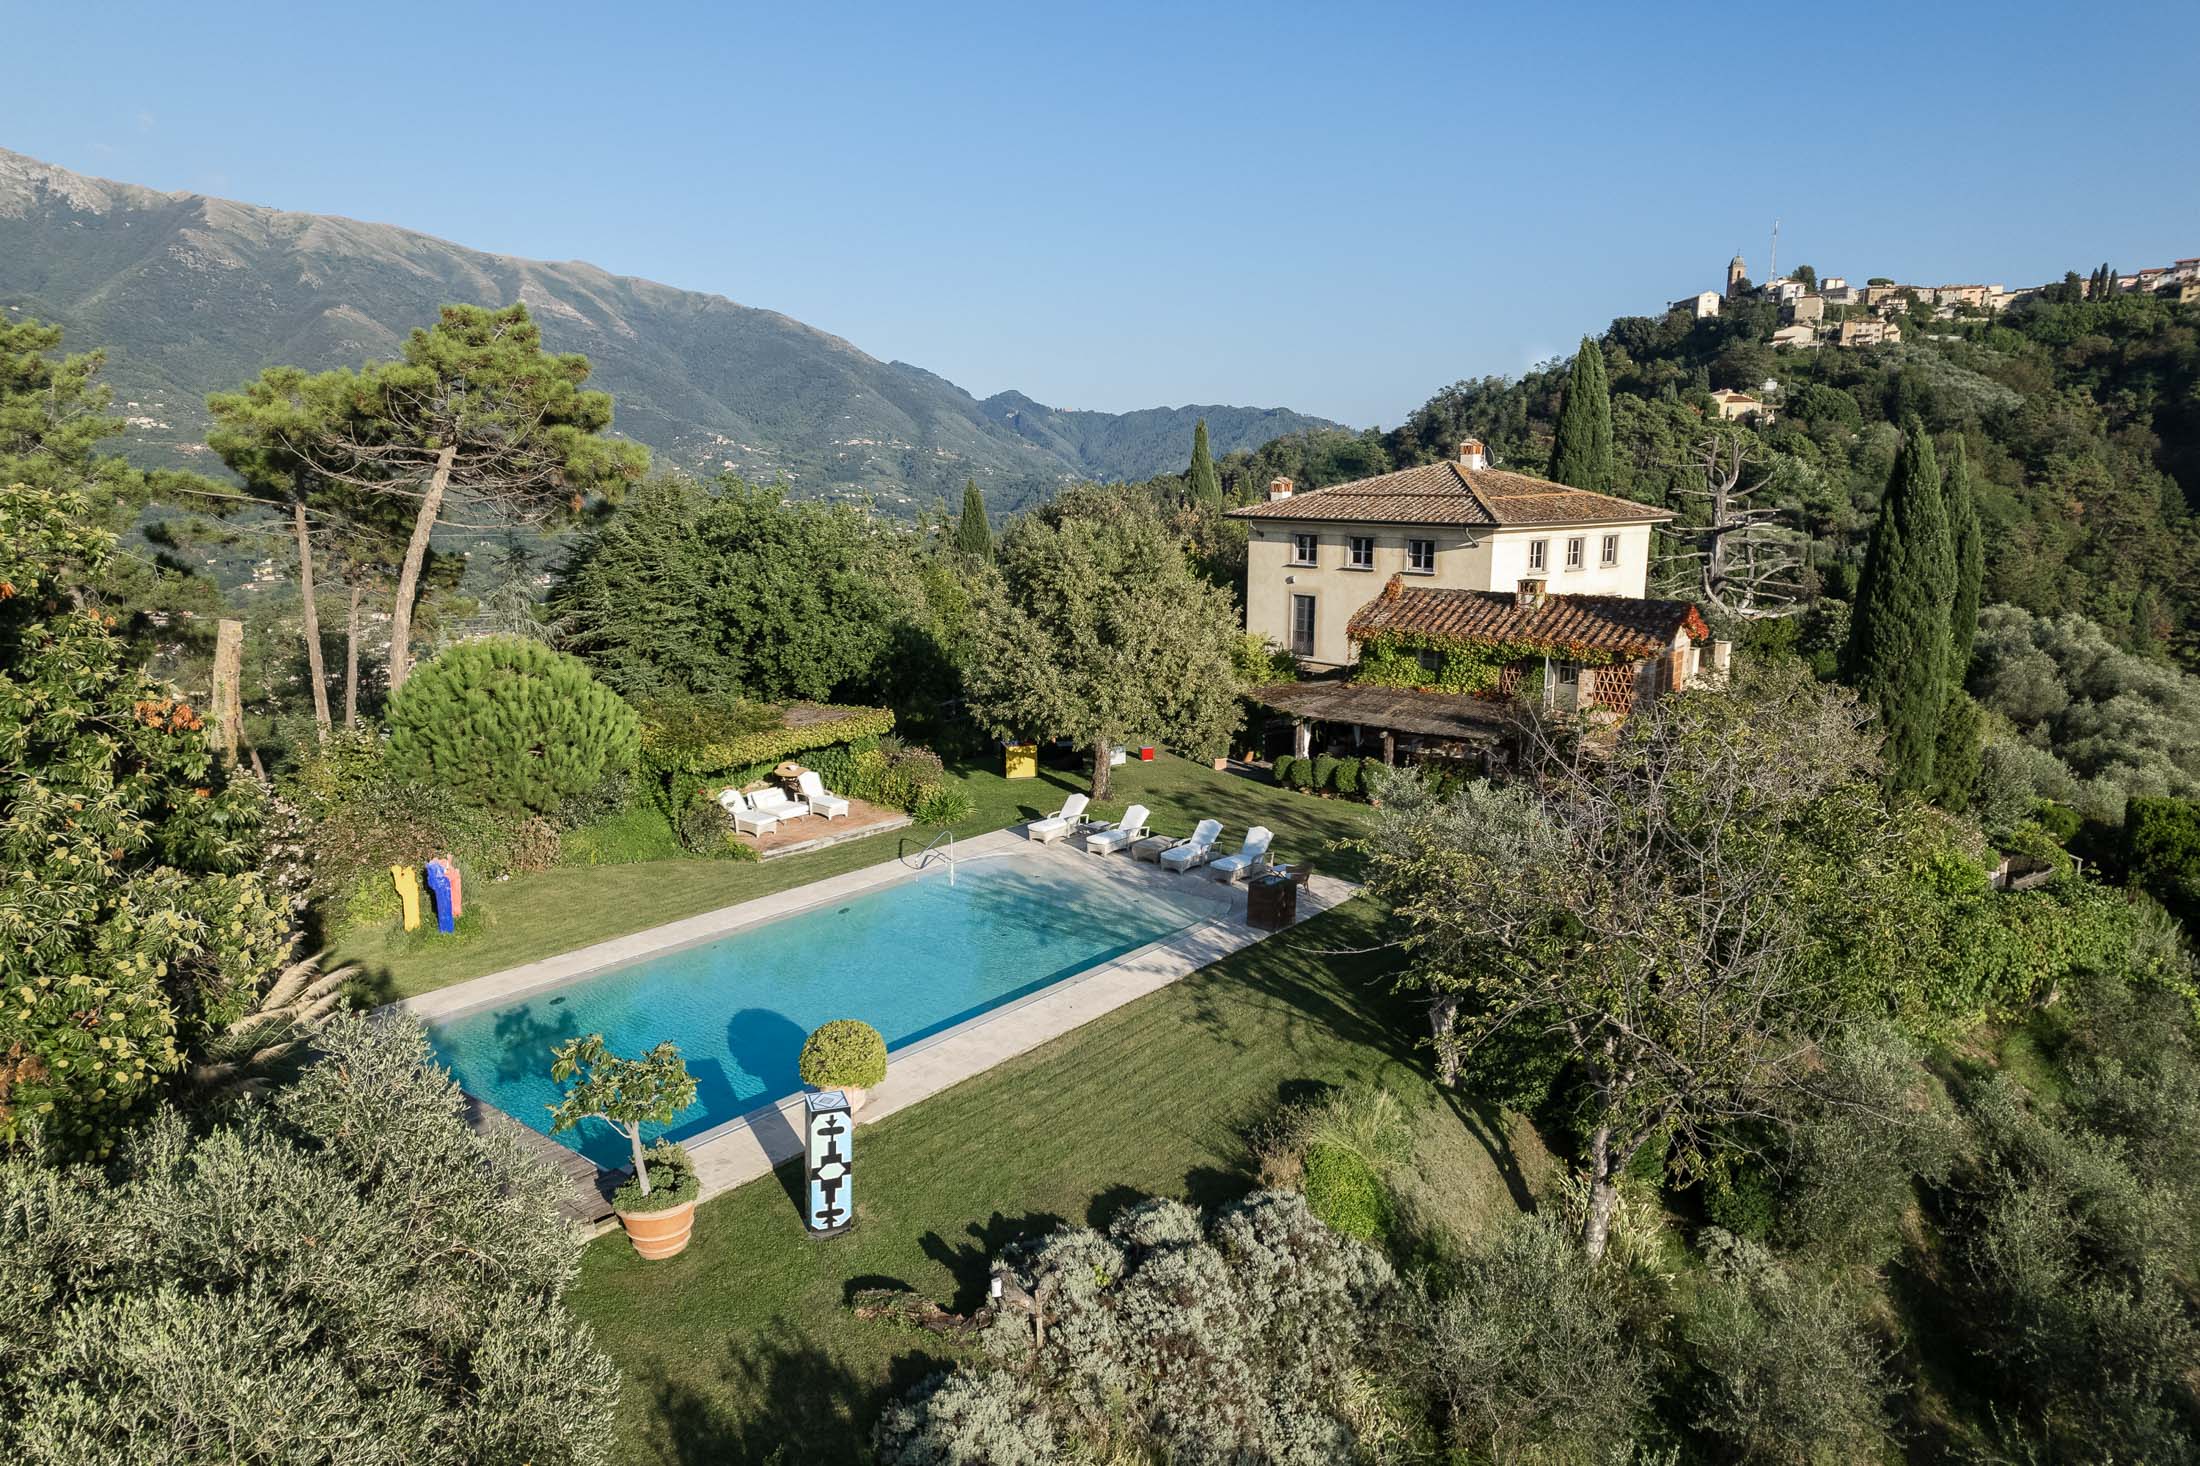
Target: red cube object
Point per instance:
(1145, 755)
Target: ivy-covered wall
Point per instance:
(1394, 660)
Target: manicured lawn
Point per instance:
(743, 1349)
(530, 917)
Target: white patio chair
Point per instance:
(814, 794)
(1253, 853)
(1055, 826)
(1120, 835)
(1196, 851)
(775, 801)
(747, 819)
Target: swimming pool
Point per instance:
(912, 958)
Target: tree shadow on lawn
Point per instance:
(779, 1401)
(971, 1263)
(1311, 979)
(1486, 1125)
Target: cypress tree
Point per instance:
(1202, 484)
(1899, 637)
(973, 536)
(1581, 453)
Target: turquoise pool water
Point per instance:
(912, 959)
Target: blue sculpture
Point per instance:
(439, 886)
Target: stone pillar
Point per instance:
(1302, 737)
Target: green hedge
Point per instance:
(1346, 778)
(1325, 769)
(700, 737)
(1280, 771)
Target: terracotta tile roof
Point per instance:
(1445, 493)
(1623, 624)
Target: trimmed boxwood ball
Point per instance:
(1302, 773)
(1346, 779)
(845, 1053)
(506, 723)
(1325, 769)
(1280, 771)
(1344, 1191)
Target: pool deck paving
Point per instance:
(752, 1145)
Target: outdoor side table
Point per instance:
(1151, 847)
(1272, 900)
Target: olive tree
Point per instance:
(1095, 629)
(345, 1273)
(1650, 905)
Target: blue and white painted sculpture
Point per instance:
(829, 1164)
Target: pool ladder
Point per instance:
(924, 856)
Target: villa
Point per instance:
(1422, 605)
(1314, 559)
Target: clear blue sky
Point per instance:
(1337, 208)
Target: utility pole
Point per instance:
(1772, 267)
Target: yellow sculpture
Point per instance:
(408, 893)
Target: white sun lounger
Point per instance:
(1055, 826)
(774, 802)
(1252, 853)
(746, 818)
(1195, 851)
(814, 794)
(1118, 836)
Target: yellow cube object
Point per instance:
(1021, 761)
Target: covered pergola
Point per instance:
(1446, 719)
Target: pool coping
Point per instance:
(750, 1146)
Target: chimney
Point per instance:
(1530, 593)
(1472, 455)
(1278, 488)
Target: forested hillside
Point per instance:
(2081, 423)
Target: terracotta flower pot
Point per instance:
(857, 1097)
(660, 1234)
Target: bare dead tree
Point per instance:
(1742, 561)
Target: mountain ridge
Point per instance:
(191, 293)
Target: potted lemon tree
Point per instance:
(656, 1206)
(845, 1054)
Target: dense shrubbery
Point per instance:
(888, 772)
(1248, 1338)
(2093, 724)
(346, 1273)
(1781, 1367)
(132, 921)
(507, 724)
(362, 817)
(693, 591)
(2162, 853)
(1536, 1354)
